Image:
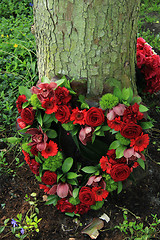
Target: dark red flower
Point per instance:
(20, 100)
(132, 114)
(50, 150)
(34, 166)
(49, 178)
(26, 157)
(94, 117)
(20, 123)
(34, 150)
(44, 90)
(64, 206)
(50, 105)
(39, 138)
(140, 43)
(115, 124)
(86, 196)
(81, 208)
(141, 59)
(27, 115)
(130, 130)
(120, 172)
(105, 165)
(62, 95)
(63, 114)
(140, 143)
(78, 116)
(100, 193)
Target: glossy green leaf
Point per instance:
(97, 205)
(125, 93)
(120, 151)
(75, 192)
(89, 169)
(117, 92)
(51, 133)
(67, 164)
(141, 163)
(44, 79)
(146, 125)
(39, 118)
(114, 145)
(143, 108)
(71, 175)
(120, 186)
(25, 91)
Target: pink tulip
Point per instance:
(111, 115)
(119, 109)
(85, 135)
(62, 190)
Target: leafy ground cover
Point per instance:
(135, 204)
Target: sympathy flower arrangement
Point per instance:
(51, 113)
(149, 64)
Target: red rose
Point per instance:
(49, 178)
(20, 100)
(130, 130)
(27, 115)
(86, 196)
(64, 206)
(63, 114)
(81, 208)
(120, 172)
(62, 95)
(94, 117)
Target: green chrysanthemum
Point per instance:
(108, 101)
(35, 101)
(52, 163)
(122, 140)
(111, 185)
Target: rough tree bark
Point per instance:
(87, 39)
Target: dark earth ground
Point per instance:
(142, 197)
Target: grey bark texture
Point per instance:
(88, 39)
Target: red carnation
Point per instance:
(120, 172)
(49, 178)
(50, 105)
(86, 196)
(81, 208)
(62, 95)
(78, 116)
(26, 157)
(20, 100)
(140, 143)
(115, 124)
(94, 117)
(64, 206)
(50, 150)
(27, 115)
(100, 193)
(63, 114)
(130, 130)
(132, 114)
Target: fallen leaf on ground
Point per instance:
(92, 228)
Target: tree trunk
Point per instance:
(88, 39)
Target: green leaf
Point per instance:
(52, 200)
(130, 95)
(25, 104)
(48, 118)
(89, 169)
(146, 125)
(25, 91)
(136, 99)
(84, 105)
(51, 133)
(120, 151)
(44, 79)
(97, 205)
(141, 163)
(105, 128)
(100, 133)
(143, 108)
(13, 140)
(125, 93)
(70, 214)
(120, 186)
(59, 82)
(71, 175)
(75, 192)
(67, 164)
(39, 118)
(117, 92)
(72, 181)
(2, 229)
(6, 220)
(114, 145)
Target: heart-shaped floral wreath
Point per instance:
(55, 122)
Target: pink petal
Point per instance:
(41, 146)
(53, 190)
(119, 109)
(62, 190)
(90, 180)
(111, 115)
(128, 152)
(33, 131)
(98, 179)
